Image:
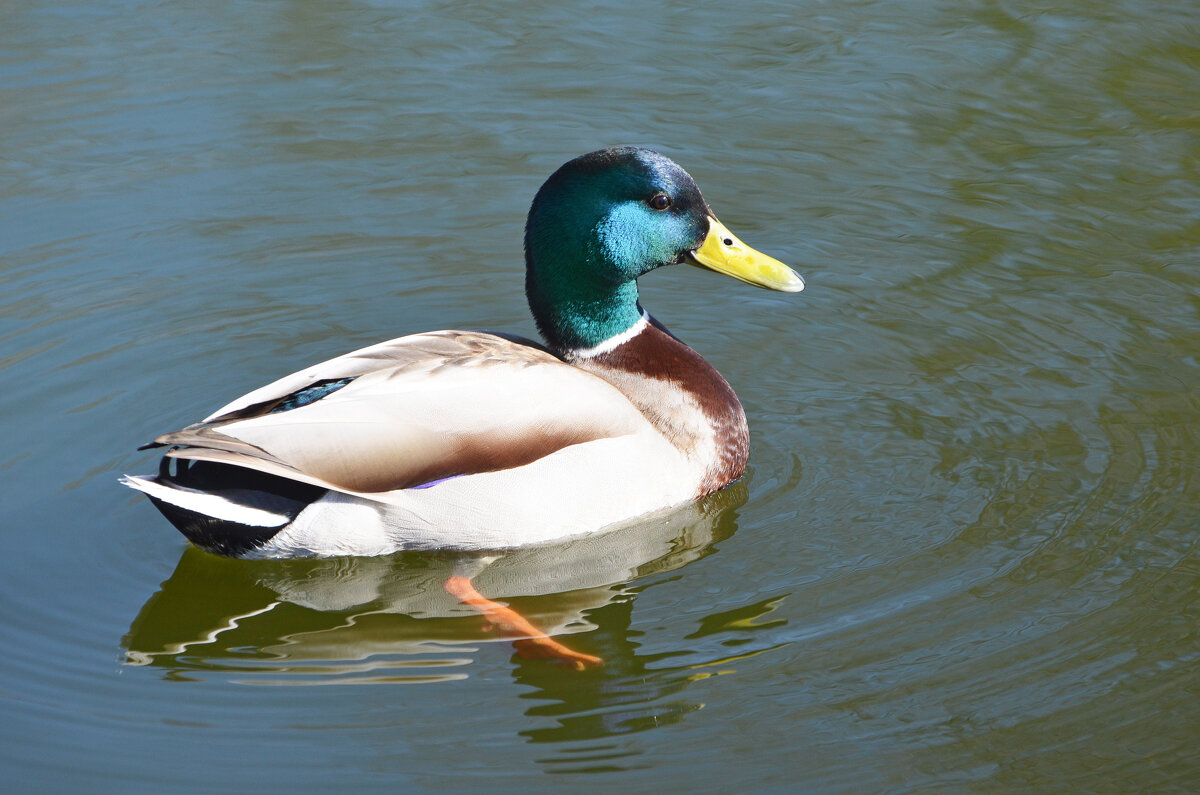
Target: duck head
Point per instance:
(604, 219)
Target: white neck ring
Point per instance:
(613, 342)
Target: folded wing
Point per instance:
(411, 411)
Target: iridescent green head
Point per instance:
(606, 218)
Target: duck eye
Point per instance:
(659, 201)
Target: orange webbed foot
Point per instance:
(529, 641)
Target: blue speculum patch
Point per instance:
(310, 394)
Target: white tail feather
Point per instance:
(208, 504)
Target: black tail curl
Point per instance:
(238, 485)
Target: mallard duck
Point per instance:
(468, 440)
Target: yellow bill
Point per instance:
(722, 252)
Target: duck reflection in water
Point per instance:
(390, 618)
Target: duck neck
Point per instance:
(575, 308)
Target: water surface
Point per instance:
(965, 555)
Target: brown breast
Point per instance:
(684, 397)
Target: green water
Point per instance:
(965, 557)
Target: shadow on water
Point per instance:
(388, 620)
